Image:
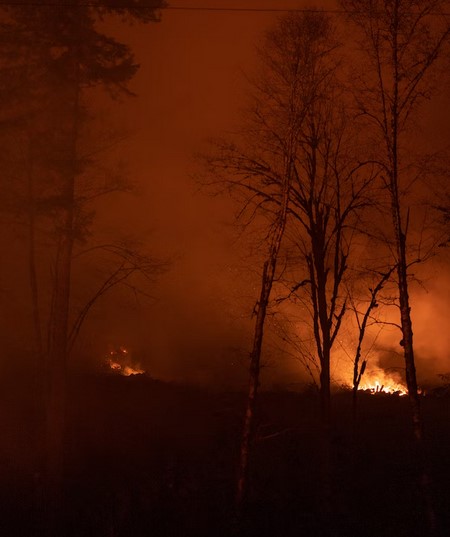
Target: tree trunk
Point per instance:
(255, 357)
(325, 438)
(57, 372)
(39, 348)
(410, 368)
(58, 330)
(255, 367)
(323, 343)
(402, 273)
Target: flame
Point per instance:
(382, 382)
(120, 362)
(128, 371)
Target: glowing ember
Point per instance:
(120, 361)
(127, 371)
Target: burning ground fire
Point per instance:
(120, 362)
(381, 382)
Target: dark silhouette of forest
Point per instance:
(146, 457)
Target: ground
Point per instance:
(151, 458)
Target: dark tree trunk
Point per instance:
(59, 320)
(39, 348)
(324, 344)
(57, 371)
(325, 438)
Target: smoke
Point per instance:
(430, 314)
(430, 311)
(198, 325)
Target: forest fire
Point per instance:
(120, 362)
(380, 382)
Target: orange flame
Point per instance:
(128, 371)
(382, 382)
(120, 362)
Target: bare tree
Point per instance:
(402, 41)
(61, 53)
(297, 133)
(126, 263)
(363, 320)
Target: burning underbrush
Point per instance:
(121, 362)
(380, 381)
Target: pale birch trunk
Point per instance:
(268, 276)
(402, 43)
(403, 288)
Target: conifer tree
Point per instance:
(52, 55)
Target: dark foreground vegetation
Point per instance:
(147, 458)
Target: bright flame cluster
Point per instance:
(382, 383)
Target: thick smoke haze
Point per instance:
(196, 326)
(201, 206)
(192, 87)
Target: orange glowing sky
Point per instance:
(191, 86)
